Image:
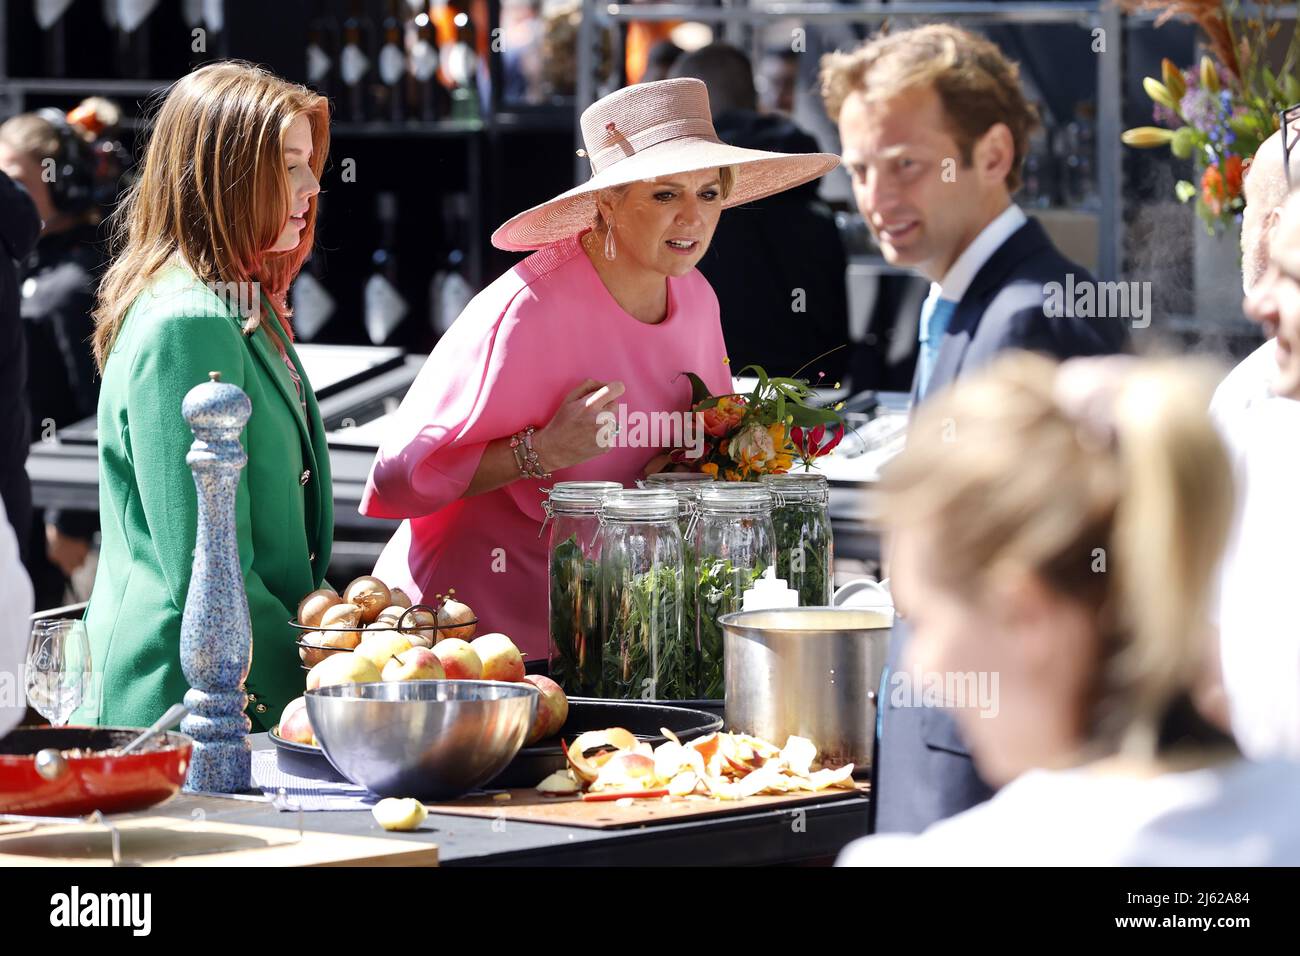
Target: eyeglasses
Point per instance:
(1288, 140)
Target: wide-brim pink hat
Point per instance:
(645, 132)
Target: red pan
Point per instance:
(93, 776)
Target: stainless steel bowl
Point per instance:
(810, 671)
(433, 740)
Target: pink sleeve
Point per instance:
(478, 385)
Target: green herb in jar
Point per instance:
(646, 650)
(720, 586)
(575, 619)
(803, 551)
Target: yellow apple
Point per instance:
(501, 659)
(342, 669)
(416, 663)
(379, 647)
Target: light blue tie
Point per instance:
(935, 315)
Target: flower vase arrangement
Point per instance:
(1219, 112)
(763, 432)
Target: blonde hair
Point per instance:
(31, 135)
(214, 191)
(1124, 508)
(976, 84)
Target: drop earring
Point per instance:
(610, 251)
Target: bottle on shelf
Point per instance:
(385, 309)
(390, 90)
(131, 18)
(450, 290)
(312, 304)
(323, 52)
(54, 35)
(354, 64)
(426, 96)
(460, 67)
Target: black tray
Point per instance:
(532, 764)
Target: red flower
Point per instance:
(810, 444)
(1213, 192)
(1232, 175)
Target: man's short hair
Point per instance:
(32, 135)
(976, 84)
(726, 71)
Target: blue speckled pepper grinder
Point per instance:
(216, 636)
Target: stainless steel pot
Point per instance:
(811, 671)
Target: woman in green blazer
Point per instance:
(212, 234)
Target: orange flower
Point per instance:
(1232, 175)
(711, 469)
(1212, 189)
(723, 417)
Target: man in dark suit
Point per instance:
(19, 228)
(935, 128)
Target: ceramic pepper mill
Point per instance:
(216, 636)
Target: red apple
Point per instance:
(552, 708)
(294, 724)
(501, 659)
(459, 659)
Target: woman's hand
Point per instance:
(570, 437)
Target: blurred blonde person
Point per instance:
(1059, 526)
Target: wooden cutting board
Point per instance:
(527, 805)
(166, 841)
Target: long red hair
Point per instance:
(213, 190)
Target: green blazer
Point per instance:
(173, 335)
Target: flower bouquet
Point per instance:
(1218, 113)
(762, 432)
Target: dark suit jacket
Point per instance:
(19, 228)
(923, 771)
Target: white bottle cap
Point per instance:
(768, 592)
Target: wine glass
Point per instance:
(58, 668)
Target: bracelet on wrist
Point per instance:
(526, 457)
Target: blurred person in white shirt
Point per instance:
(1059, 527)
(16, 599)
(1258, 414)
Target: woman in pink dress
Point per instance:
(604, 317)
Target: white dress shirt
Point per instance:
(962, 272)
(1259, 629)
(17, 600)
(1234, 814)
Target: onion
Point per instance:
(341, 615)
(399, 598)
(455, 620)
(315, 604)
(370, 594)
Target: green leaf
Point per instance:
(806, 417)
(1184, 190)
(1292, 86)
(1183, 142)
(699, 391)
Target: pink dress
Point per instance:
(519, 347)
